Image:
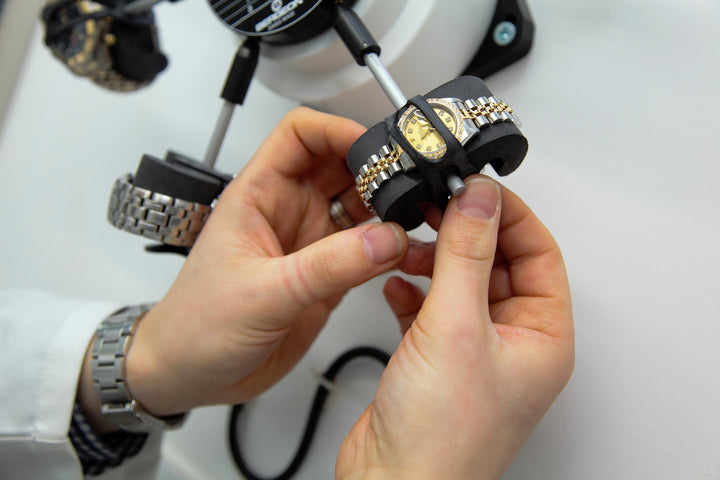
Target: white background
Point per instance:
(619, 101)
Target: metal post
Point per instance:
(386, 81)
(218, 136)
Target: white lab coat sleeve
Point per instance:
(43, 339)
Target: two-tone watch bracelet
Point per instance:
(392, 159)
(156, 216)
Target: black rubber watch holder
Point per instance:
(180, 177)
(501, 145)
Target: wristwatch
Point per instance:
(463, 118)
(166, 219)
(112, 342)
(83, 42)
(97, 40)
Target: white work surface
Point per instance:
(619, 101)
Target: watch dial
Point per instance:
(422, 135)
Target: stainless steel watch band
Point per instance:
(110, 347)
(392, 159)
(156, 216)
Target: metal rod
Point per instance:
(140, 6)
(392, 90)
(386, 81)
(218, 136)
(455, 184)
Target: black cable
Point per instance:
(312, 421)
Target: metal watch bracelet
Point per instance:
(109, 350)
(156, 216)
(392, 159)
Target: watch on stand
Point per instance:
(167, 201)
(454, 130)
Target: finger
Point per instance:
(500, 283)
(339, 262)
(530, 250)
(433, 215)
(535, 273)
(465, 251)
(353, 205)
(292, 149)
(420, 259)
(404, 299)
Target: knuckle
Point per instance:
(296, 113)
(296, 283)
(469, 245)
(311, 276)
(321, 266)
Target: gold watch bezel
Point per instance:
(443, 104)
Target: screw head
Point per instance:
(504, 33)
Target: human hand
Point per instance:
(482, 357)
(267, 270)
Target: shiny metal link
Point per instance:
(391, 160)
(485, 111)
(380, 167)
(110, 347)
(159, 217)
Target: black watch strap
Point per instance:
(98, 452)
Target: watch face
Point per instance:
(422, 135)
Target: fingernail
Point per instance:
(480, 200)
(381, 243)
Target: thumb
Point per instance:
(341, 261)
(465, 250)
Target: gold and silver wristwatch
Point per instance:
(109, 350)
(463, 118)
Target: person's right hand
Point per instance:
(483, 356)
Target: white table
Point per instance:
(619, 102)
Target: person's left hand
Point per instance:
(267, 270)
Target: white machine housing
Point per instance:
(424, 44)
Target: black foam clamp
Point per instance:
(180, 177)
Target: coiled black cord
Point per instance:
(312, 421)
